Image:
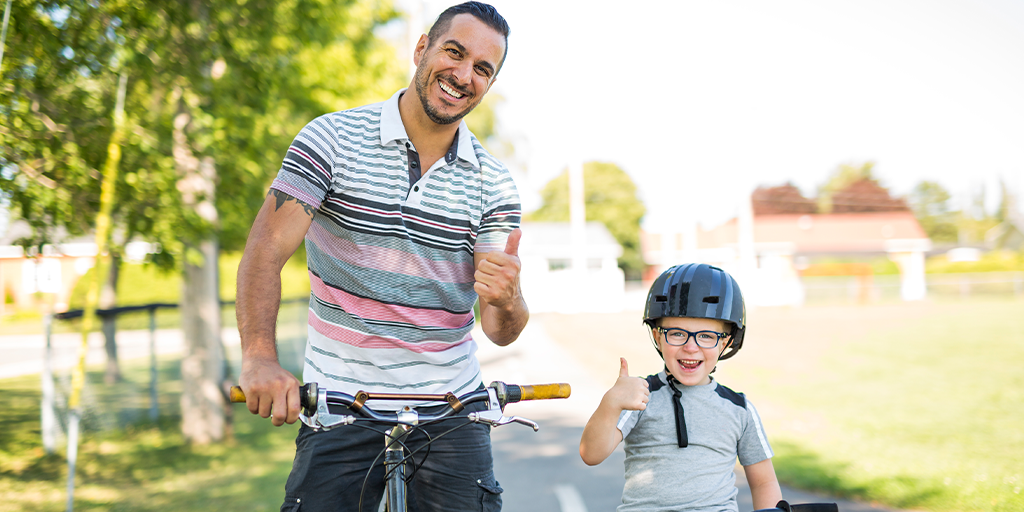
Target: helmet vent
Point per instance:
(711, 300)
(660, 298)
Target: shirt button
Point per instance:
(416, 188)
(413, 164)
(408, 145)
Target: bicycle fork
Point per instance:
(394, 465)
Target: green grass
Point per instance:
(135, 464)
(916, 406)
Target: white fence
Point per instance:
(884, 288)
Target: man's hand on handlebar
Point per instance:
(270, 391)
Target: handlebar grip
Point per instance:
(545, 391)
(236, 395)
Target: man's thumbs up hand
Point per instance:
(512, 245)
(497, 274)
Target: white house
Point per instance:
(569, 271)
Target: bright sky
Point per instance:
(702, 101)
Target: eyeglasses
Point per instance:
(704, 339)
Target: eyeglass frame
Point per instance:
(692, 334)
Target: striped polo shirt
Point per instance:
(390, 252)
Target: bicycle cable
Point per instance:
(406, 458)
(400, 442)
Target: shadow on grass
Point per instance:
(804, 469)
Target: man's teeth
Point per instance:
(449, 90)
(689, 363)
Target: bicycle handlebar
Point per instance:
(507, 393)
(543, 391)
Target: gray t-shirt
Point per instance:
(721, 425)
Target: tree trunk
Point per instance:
(204, 407)
(108, 299)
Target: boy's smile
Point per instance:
(690, 364)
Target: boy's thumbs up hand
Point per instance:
(628, 393)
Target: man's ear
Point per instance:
(421, 49)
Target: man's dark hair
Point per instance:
(481, 11)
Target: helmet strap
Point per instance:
(677, 404)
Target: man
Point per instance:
(407, 220)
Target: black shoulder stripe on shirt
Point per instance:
(654, 383)
(732, 396)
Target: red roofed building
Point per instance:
(764, 245)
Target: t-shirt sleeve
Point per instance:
(753, 445)
(627, 420)
(502, 210)
(307, 170)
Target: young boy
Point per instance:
(683, 430)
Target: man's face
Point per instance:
(455, 71)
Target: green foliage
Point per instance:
(611, 198)
(841, 178)
(483, 122)
(930, 203)
(226, 80)
(992, 261)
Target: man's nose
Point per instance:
(463, 72)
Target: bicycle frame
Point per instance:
(316, 404)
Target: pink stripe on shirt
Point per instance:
(361, 340)
(371, 309)
(297, 193)
(390, 260)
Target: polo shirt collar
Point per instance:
(392, 129)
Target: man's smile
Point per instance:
(449, 90)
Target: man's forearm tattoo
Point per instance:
(282, 198)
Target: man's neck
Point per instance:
(424, 133)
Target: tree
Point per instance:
(57, 122)
(930, 204)
(853, 188)
(783, 199)
(216, 91)
(611, 198)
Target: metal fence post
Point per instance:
(154, 410)
(48, 415)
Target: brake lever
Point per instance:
(322, 419)
(495, 418)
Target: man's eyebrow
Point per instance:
(458, 46)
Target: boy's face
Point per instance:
(691, 364)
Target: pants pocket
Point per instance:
(490, 494)
(291, 504)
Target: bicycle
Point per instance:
(316, 404)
